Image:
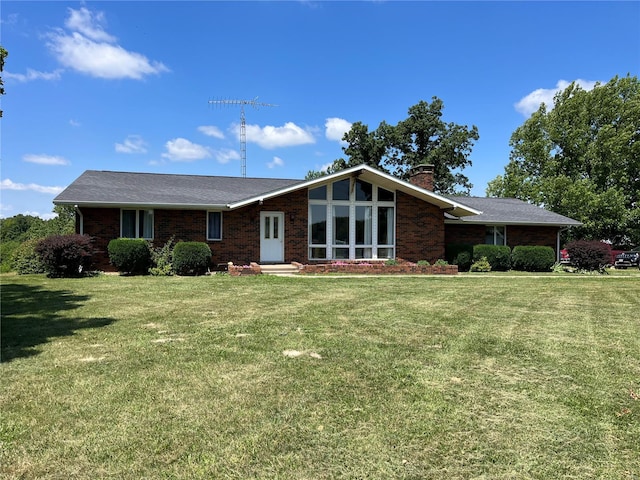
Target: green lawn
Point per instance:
(450, 377)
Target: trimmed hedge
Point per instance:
(191, 258)
(130, 255)
(66, 255)
(533, 258)
(498, 256)
(589, 254)
(460, 254)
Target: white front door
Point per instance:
(271, 237)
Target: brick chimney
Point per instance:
(422, 176)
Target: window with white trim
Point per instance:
(136, 224)
(351, 219)
(214, 225)
(495, 235)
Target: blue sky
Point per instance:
(126, 85)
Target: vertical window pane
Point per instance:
(341, 189)
(341, 225)
(128, 223)
(489, 236)
(214, 226)
(267, 227)
(319, 193)
(499, 235)
(364, 191)
(384, 195)
(145, 226)
(276, 232)
(318, 224)
(363, 225)
(385, 226)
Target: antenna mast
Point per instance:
(243, 127)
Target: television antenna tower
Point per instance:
(243, 127)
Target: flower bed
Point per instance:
(378, 268)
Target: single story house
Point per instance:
(357, 213)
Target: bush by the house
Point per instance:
(130, 255)
(162, 258)
(26, 260)
(191, 258)
(481, 265)
(498, 256)
(533, 258)
(589, 254)
(460, 254)
(65, 255)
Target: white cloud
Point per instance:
(273, 137)
(74, 123)
(211, 131)
(531, 102)
(45, 159)
(88, 49)
(182, 150)
(33, 75)
(226, 155)
(132, 144)
(277, 162)
(7, 184)
(335, 128)
(89, 24)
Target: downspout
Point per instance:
(560, 230)
(81, 218)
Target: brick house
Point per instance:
(358, 213)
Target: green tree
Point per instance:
(3, 55)
(581, 158)
(421, 138)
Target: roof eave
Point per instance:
(183, 206)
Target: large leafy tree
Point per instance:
(422, 138)
(581, 158)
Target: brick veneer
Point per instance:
(419, 229)
(516, 235)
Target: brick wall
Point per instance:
(419, 229)
(516, 235)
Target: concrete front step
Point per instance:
(282, 269)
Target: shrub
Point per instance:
(130, 255)
(454, 253)
(589, 254)
(424, 263)
(26, 260)
(191, 258)
(481, 265)
(162, 258)
(533, 258)
(65, 255)
(391, 262)
(463, 260)
(498, 256)
(441, 263)
(7, 247)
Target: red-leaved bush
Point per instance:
(589, 254)
(65, 255)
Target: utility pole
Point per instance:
(243, 127)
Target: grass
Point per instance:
(298, 378)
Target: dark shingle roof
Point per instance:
(509, 210)
(122, 188)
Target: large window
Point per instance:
(351, 219)
(495, 235)
(136, 224)
(214, 225)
